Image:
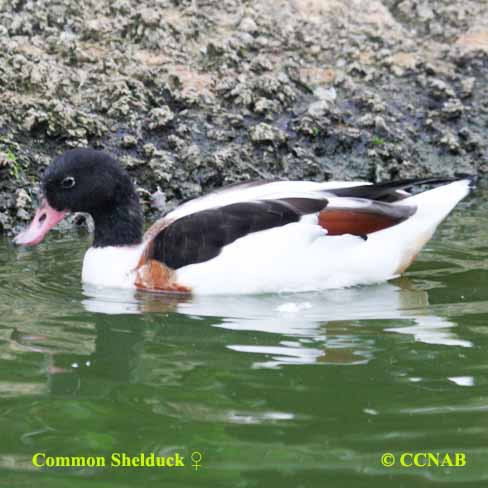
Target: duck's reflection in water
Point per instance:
(325, 327)
(115, 333)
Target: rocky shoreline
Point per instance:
(194, 94)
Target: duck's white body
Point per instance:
(298, 256)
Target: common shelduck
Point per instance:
(252, 237)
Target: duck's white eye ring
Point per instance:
(68, 182)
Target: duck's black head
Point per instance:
(85, 180)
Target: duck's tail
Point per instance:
(433, 206)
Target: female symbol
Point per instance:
(196, 457)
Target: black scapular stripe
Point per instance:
(201, 236)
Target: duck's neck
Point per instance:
(121, 225)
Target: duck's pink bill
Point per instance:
(44, 220)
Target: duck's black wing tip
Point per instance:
(473, 179)
(391, 191)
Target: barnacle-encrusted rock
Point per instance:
(128, 141)
(440, 89)
(160, 117)
(194, 95)
(452, 109)
(266, 133)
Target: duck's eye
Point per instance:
(68, 182)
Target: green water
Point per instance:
(305, 390)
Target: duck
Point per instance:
(254, 237)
